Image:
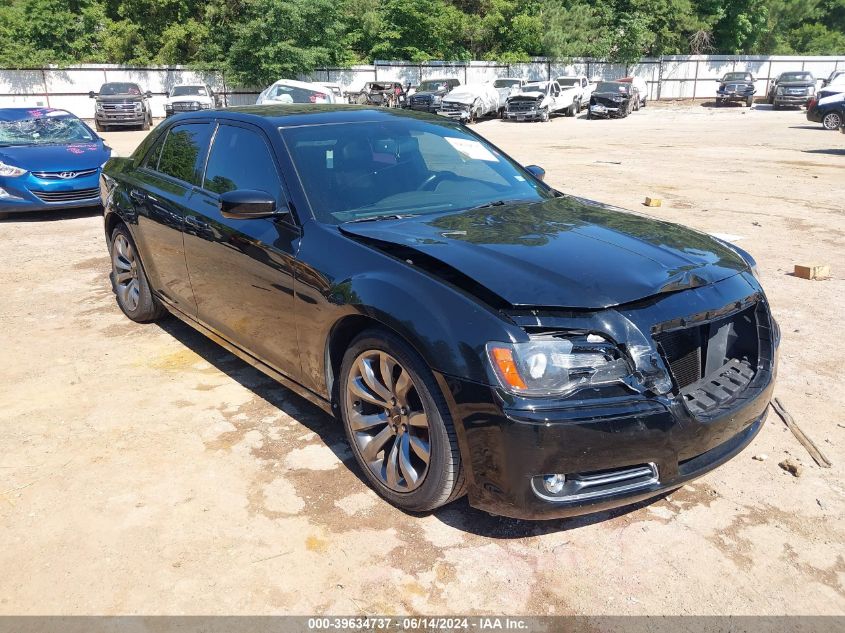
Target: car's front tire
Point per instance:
(397, 423)
(129, 281)
(148, 122)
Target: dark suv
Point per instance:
(122, 104)
(430, 94)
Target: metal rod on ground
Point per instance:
(806, 442)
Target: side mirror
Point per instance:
(247, 204)
(538, 172)
(92, 94)
(148, 94)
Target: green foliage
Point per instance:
(257, 41)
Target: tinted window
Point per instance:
(240, 159)
(184, 151)
(151, 161)
(796, 77)
(567, 82)
(182, 91)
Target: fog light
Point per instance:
(554, 483)
(4, 194)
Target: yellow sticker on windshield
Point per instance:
(471, 149)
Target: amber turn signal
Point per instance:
(503, 359)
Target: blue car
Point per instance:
(49, 159)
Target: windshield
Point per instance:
(505, 83)
(49, 129)
(796, 77)
(737, 77)
(567, 82)
(432, 86)
(182, 91)
(293, 94)
(120, 89)
(611, 86)
(357, 170)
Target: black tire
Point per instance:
(719, 101)
(99, 126)
(443, 480)
(147, 307)
(570, 111)
(832, 121)
(147, 124)
(644, 103)
(749, 101)
(545, 115)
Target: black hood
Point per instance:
(119, 98)
(806, 83)
(564, 252)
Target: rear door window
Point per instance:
(184, 151)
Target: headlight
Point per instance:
(168, 107)
(780, 90)
(98, 107)
(10, 171)
(436, 99)
(137, 107)
(550, 366)
(205, 106)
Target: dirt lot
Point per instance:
(145, 470)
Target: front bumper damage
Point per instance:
(619, 445)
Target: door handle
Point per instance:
(195, 223)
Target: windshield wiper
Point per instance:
(498, 203)
(384, 216)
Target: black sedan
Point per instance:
(613, 99)
(474, 330)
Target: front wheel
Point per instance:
(544, 115)
(832, 121)
(749, 101)
(397, 423)
(129, 281)
(147, 124)
(99, 126)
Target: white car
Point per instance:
(575, 93)
(536, 101)
(642, 88)
(292, 91)
(189, 98)
(337, 90)
(470, 102)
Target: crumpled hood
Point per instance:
(189, 98)
(73, 157)
(533, 94)
(464, 96)
(565, 252)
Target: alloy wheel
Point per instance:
(832, 121)
(125, 267)
(387, 420)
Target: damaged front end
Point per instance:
(665, 390)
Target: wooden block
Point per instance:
(653, 202)
(813, 271)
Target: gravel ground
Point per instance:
(146, 470)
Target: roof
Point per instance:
(293, 114)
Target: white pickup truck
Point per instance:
(536, 101)
(575, 93)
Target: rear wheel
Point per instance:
(832, 121)
(129, 281)
(398, 424)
